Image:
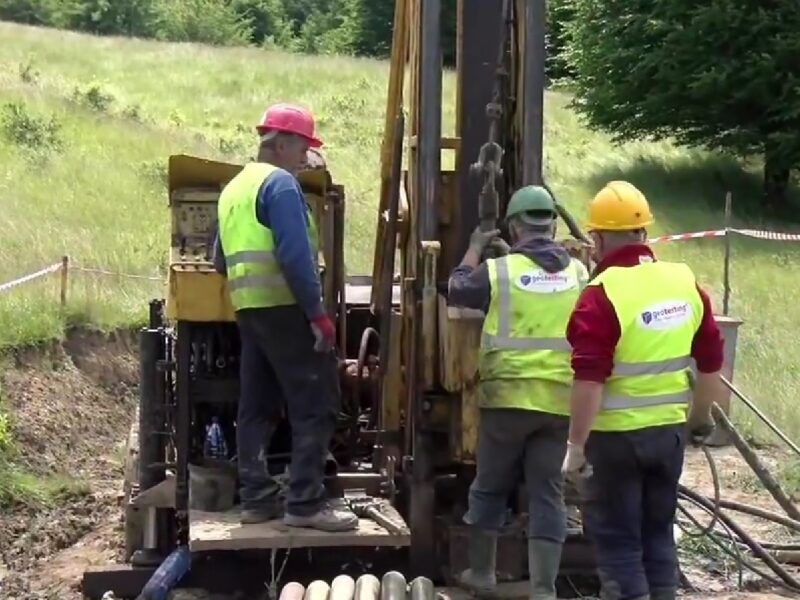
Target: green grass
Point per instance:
(125, 105)
(18, 487)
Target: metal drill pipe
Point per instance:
(760, 415)
(533, 92)
(393, 586)
(342, 588)
(368, 587)
(422, 588)
(293, 591)
(429, 134)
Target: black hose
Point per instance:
(360, 364)
(737, 555)
(715, 516)
(712, 465)
(755, 548)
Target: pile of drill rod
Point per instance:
(723, 530)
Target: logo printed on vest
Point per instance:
(542, 282)
(666, 315)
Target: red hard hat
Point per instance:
(290, 119)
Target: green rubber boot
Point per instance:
(480, 578)
(544, 558)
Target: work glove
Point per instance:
(575, 466)
(479, 240)
(700, 425)
(324, 333)
(499, 247)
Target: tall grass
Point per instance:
(125, 105)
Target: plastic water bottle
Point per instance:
(215, 445)
(168, 574)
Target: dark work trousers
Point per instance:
(279, 367)
(516, 445)
(629, 508)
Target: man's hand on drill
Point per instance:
(479, 240)
(499, 247)
(324, 333)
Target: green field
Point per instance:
(125, 105)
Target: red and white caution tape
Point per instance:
(116, 273)
(59, 265)
(41, 273)
(769, 235)
(687, 236)
(753, 233)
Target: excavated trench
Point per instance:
(71, 405)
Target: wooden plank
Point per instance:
(223, 531)
(509, 591)
(459, 343)
(393, 389)
(195, 195)
(447, 143)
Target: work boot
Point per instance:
(259, 514)
(328, 518)
(544, 558)
(480, 577)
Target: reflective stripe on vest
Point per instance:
(503, 340)
(254, 276)
(523, 337)
(659, 310)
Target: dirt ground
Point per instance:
(72, 405)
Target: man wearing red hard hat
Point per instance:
(267, 248)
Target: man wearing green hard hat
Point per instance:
(527, 293)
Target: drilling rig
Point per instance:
(404, 449)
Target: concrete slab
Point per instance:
(222, 531)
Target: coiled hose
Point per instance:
(733, 532)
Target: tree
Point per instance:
(722, 74)
(559, 14)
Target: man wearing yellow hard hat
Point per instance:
(634, 332)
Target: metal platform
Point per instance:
(223, 531)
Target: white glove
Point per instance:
(575, 465)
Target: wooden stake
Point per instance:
(726, 275)
(64, 280)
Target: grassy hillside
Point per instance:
(125, 105)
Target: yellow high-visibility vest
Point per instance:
(524, 355)
(659, 311)
(254, 277)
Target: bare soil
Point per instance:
(72, 405)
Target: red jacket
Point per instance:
(593, 329)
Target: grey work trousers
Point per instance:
(279, 367)
(516, 444)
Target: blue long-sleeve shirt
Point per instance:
(281, 206)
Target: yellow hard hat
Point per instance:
(619, 206)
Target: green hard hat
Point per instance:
(531, 198)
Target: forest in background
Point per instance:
(722, 76)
